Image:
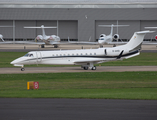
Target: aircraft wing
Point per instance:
(22, 42)
(117, 43)
(88, 61)
(83, 42)
(149, 43)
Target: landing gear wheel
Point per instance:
(22, 69)
(85, 68)
(42, 46)
(55, 46)
(94, 68)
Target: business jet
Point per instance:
(84, 57)
(104, 39)
(107, 39)
(48, 40)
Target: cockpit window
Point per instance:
(28, 55)
(101, 38)
(31, 55)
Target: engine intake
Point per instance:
(116, 36)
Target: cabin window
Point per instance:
(60, 54)
(94, 53)
(72, 54)
(81, 54)
(31, 55)
(77, 54)
(90, 53)
(64, 54)
(86, 54)
(68, 54)
(56, 54)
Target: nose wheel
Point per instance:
(22, 69)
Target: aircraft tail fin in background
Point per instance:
(112, 27)
(42, 27)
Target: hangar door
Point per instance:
(22, 33)
(125, 33)
(68, 28)
(7, 32)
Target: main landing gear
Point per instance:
(55, 46)
(87, 67)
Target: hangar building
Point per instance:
(76, 19)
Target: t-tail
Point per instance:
(136, 40)
(43, 29)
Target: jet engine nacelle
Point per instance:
(156, 37)
(102, 39)
(102, 35)
(54, 37)
(39, 37)
(116, 36)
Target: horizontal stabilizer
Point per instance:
(40, 27)
(113, 25)
(6, 26)
(150, 27)
(144, 32)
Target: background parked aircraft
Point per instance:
(44, 39)
(103, 39)
(48, 40)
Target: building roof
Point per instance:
(78, 3)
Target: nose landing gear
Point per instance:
(22, 69)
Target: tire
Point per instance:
(55, 46)
(85, 68)
(42, 46)
(94, 68)
(22, 69)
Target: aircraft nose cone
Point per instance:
(100, 42)
(16, 61)
(13, 62)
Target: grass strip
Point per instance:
(103, 85)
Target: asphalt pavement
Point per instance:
(77, 109)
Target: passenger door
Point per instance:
(39, 56)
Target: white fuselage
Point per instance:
(84, 57)
(70, 57)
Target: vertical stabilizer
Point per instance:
(136, 40)
(43, 31)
